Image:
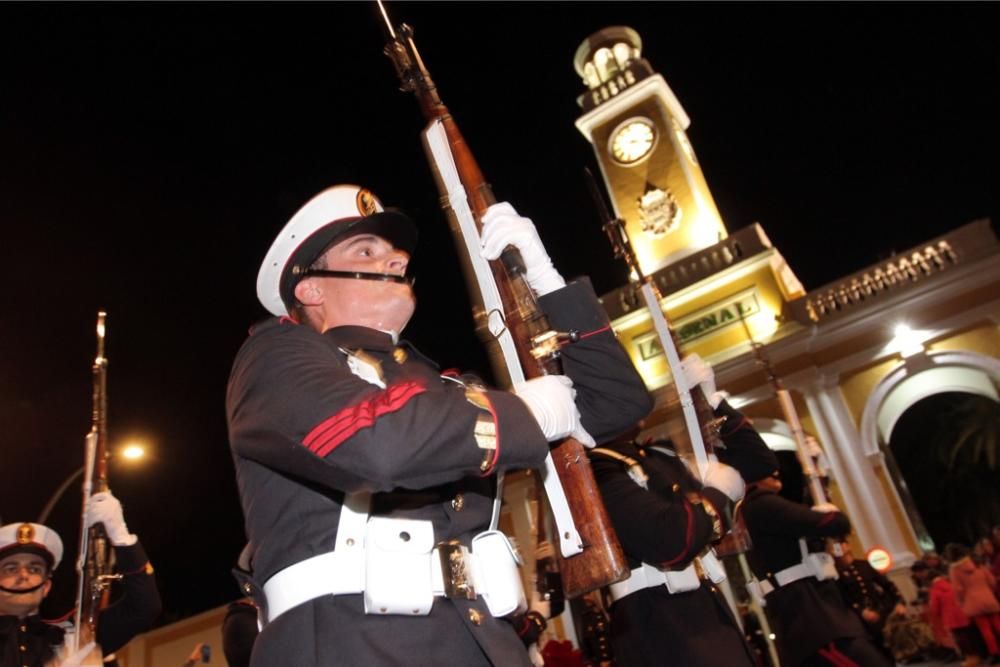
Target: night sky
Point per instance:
(150, 152)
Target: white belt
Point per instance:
(793, 573)
(332, 573)
(787, 576)
(339, 573)
(675, 581)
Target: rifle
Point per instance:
(508, 320)
(94, 564)
(816, 490)
(698, 437)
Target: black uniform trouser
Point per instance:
(848, 652)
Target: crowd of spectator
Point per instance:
(958, 598)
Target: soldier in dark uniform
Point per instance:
(871, 594)
(666, 519)
(360, 468)
(30, 552)
(810, 620)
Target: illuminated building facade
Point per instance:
(855, 354)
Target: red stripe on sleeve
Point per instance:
(594, 332)
(687, 536)
(331, 432)
(827, 518)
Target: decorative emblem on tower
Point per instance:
(638, 132)
(659, 212)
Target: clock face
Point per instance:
(632, 140)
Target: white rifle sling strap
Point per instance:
(436, 141)
(680, 381)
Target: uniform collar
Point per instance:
(34, 625)
(353, 337)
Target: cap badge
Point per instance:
(367, 203)
(25, 533)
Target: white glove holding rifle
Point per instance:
(502, 226)
(104, 508)
(700, 374)
(550, 400)
(78, 658)
(724, 478)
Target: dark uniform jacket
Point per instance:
(807, 614)
(667, 526)
(865, 588)
(134, 608)
(304, 430)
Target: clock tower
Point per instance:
(637, 128)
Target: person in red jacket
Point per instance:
(951, 627)
(973, 586)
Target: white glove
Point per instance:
(698, 373)
(77, 659)
(105, 508)
(502, 226)
(550, 399)
(724, 478)
(825, 507)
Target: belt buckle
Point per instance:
(456, 574)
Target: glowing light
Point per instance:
(907, 341)
(133, 451)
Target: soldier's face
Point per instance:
(386, 306)
(23, 572)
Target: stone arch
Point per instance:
(919, 377)
(913, 380)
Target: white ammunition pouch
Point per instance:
(706, 566)
(398, 566)
(399, 569)
(498, 577)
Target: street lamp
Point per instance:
(133, 452)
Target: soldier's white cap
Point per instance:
(332, 215)
(31, 538)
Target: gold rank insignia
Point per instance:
(485, 430)
(399, 355)
(25, 533)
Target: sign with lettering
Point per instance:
(712, 319)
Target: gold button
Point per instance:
(458, 503)
(247, 588)
(475, 616)
(399, 355)
(350, 541)
(675, 488)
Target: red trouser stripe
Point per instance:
(333, 431)
(835, 657)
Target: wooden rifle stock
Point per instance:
(602, 560)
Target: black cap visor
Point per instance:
(394, 226)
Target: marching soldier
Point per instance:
(795, 577)
(667, 521)
(30, 552)
(367, 479)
